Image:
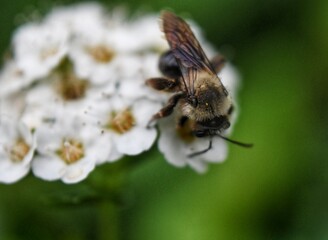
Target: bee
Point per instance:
(199, 92)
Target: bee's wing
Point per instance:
(186, 49)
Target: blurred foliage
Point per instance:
(277, 190)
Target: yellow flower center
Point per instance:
(185, 131)
(71, 88)
(121, 122)
(19, 150)
(71, 151)
(67, 84)
(101, 53)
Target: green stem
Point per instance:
(109, 183)
(109, 221)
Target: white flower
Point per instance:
(94, 40)
(38, 48)
(134, 87)
(62, 90)
(100, 61)
(77, 18)
(13, 79)
(17, 146)
(124, 123)
(150, 65)
(12, 106)
(178, 143)
(106, 54)
(38, 112)
(68, 149)
(149, 34)
(113, 52)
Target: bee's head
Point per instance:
(214, 110)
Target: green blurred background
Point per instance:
(277, 190)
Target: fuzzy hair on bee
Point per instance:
(199, 93)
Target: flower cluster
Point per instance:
(73, 96)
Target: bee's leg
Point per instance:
(202, 151)
(163, 84)
(218, 62)
(169, 66)
(167, 109)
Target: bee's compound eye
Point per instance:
(218, 123)
(230, 110)
(199, 133)
(193, 101)
(226, 125)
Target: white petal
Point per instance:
(97, 144)
(39, 48)
(41, 94)
(136, 88)
(230, 79)
(170, 145)
(143, 110)
(25, 133)
(149, 34)
(12, 79)
(129, 65)
(114, 154)
(121, 39)
(78, 171)
(30, 140)
(9, 131)
(172, 149)
(49, 139)
(150, 65)
(48, 167)
(135, 141)
(12, 172)
(218, 153)
(198, 165)
(12, 106)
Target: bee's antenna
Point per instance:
(246, 145)
(203, 151)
